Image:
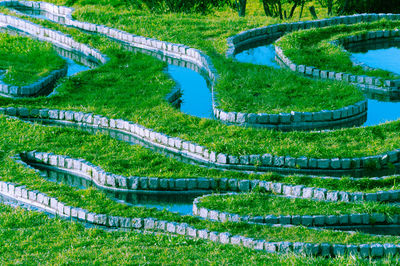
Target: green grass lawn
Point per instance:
(31, 238)
(262, 204)
(314, 48)
(133, 87)
(24, 61)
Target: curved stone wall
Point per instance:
(53, 205)
(202, 155)
(354, 219)
(348, 116)
(35, 89)
(365, 83)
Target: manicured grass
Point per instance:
(262, 204)
(99, 148)
(133, 87)
(242, 88)
(313, 48)
(25, 60)
(367, 185)
(28, 237)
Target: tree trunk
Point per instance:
(241, 7)
(301, 10)
(330, 7)
(267, 10)
(280, 9)
(313, 13)
(292, 10)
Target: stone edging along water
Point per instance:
(44, 84)
(195, 152)
(53, 205)
(254, 36)
(364, 82)
(111, 181)
(305, 220)
(350, 115)
(201, 155)
(351, 40)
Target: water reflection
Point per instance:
(262, 55)
(381, 53)
(196, 99)
(181, 202)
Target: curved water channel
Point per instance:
(196, 97)
(180, 202)
(379, 54)
(196, 101)
(76, 62)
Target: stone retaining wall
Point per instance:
(43, 84)
(366, 83)
(195, 152)
(202, 155)
(305, 220)
(297, 119)
(53, 205)
(351, 115)
(117, 182)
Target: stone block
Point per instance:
(331, 220)
(244, 185)
(390, 250)
(338, 250)
(307, 220)
(271, 247)
(377, 250)
(224, 238)
(319, 220)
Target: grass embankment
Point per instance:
(19, 136)
(24, 61)
(261, 204)
(242, 87)
(314, 48)
(133, 86)
(28, 237)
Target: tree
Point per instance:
(275, 8)
(241, 7)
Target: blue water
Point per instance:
(180, 202)
(262, 55)
(386, 59)
(380, 112)
(196, 96)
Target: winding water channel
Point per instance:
(381, 54)
(196, 100)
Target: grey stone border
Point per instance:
(305, 220)
(117, 182)
(365, 83)
(201, 155)
(31, 90)
(195, 152)
(347, 116)
(54, 206)
(301, 120)
(350, 115)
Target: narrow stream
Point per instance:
(196, 99)
(384, 55)
(76, 62)
(180, 202)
